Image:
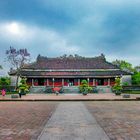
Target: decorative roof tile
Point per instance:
(74, 74)
(71, 62)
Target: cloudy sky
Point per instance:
(85, 27)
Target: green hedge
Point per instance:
(9, 93)
(132, 92)
(7, 88)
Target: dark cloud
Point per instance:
(87, 27)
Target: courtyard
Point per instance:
(120, 120)
(26, 120)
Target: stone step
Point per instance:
(104, 89)
(72, 89)
(37, 89)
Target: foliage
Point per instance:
(23, 87)
(11, 92)
(136, 78)
(125, 84)
(117, 88)
(90, 89)
(5, 81)
(137, 68)
(0, 66)
(124, 65)
(17, 58)
(132, 91)
(84, 87)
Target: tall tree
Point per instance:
(17, 58)
(124, 65)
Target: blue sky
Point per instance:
(85, 27)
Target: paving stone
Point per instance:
(23, 120)
(72, 121)
(118, 119)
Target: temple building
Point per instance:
(71, 70)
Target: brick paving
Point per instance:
(23, 120)
(120, 120)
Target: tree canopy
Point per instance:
(136, 78)
(5, 81)
(17, 57)
(124, 65)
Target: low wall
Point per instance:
(131, 89)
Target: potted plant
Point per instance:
(117, 88)
(84, 87)
(23, 87)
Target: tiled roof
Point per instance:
(73, 74)
(71, 63)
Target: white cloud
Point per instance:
(37, 40)
(15, 31)
(33, 37)
(14, 28)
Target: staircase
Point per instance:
(104, 89)
(71, 89)
(37, 89)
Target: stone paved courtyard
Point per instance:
(120, 120)
(23, 120)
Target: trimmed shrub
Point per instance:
(85, 88)
(117, 88)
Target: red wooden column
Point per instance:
(53, 80)
(78, 82)
(108, 81)
(47, 82)
(62, 81)
(32, 82)
(93, 82)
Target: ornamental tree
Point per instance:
(23, 87)
(84, 87)
(17, 58)
(117, 87)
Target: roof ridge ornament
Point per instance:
(103, 56)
